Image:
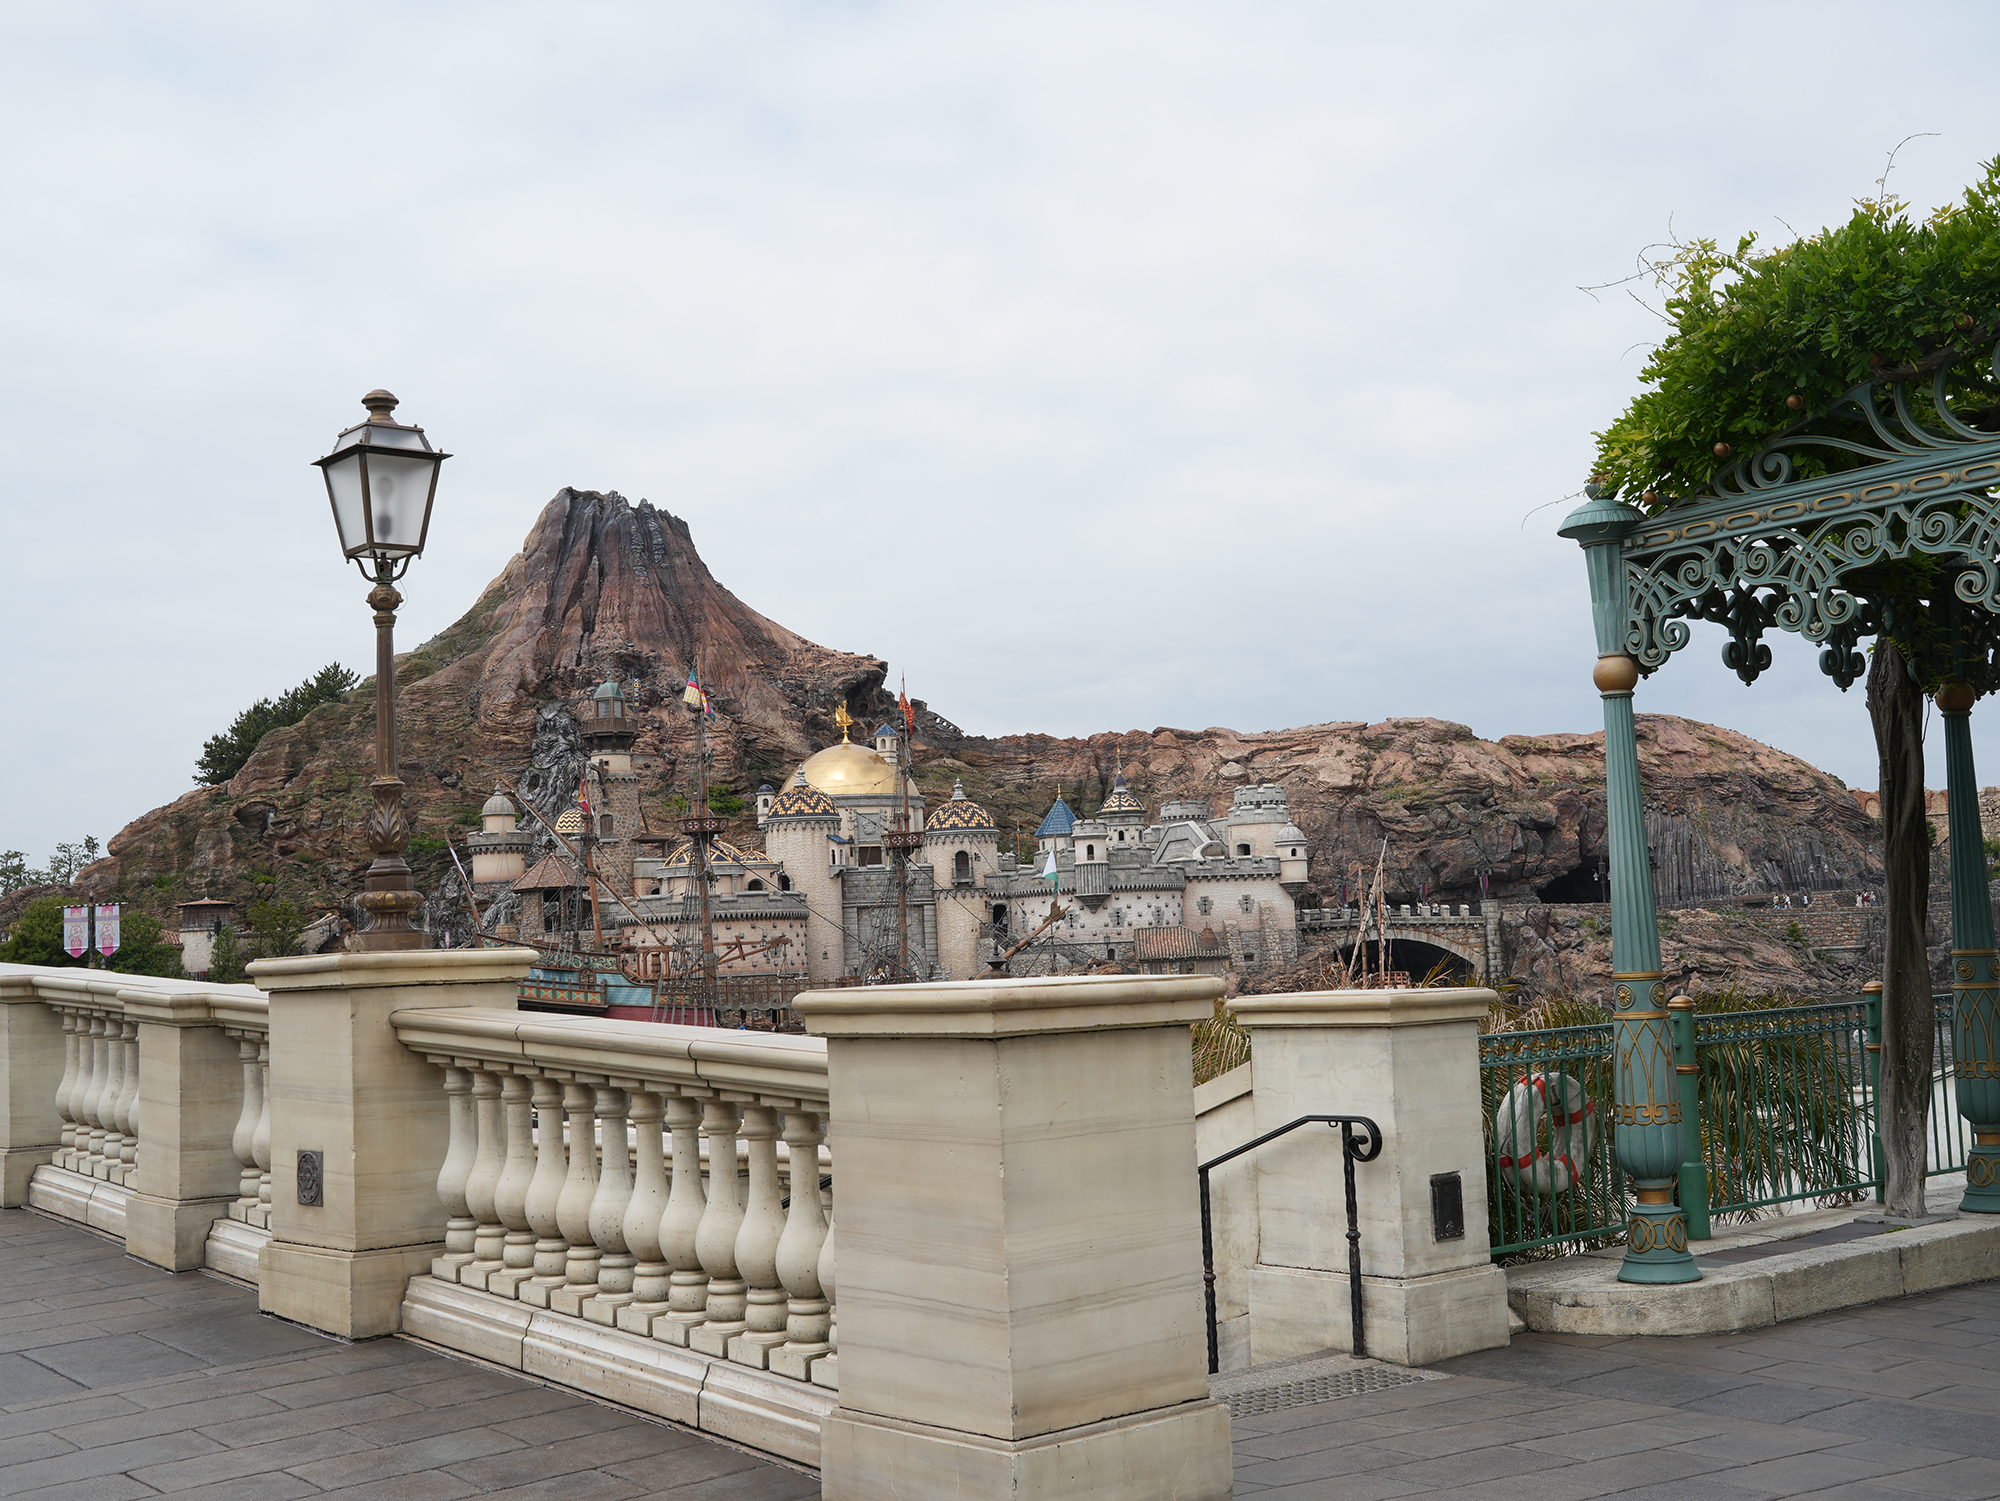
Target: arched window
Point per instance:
(1204, 906)
(1242, 849)
(753, 884)
(999, 915)
(961, 869)
(1090, 852)
(605, 824)
(784, 883)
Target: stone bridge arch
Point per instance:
(1472, 939)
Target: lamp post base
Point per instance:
(1656, 1243)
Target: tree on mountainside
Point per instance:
(38, 936)
(223, 755)
(1762, 339)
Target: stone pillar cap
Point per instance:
(396, 967)
(1010, 1008)
(1363, 1008)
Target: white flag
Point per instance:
(76, 931)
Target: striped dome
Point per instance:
(961, 813)
(721, 852)
(570, 823)
(802, 800)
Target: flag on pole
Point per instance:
(107, 928)
(909, 714)
(76, 931)
(696, 697)
(1049, 871)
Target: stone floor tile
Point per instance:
(1533, 1363)
(591, 1485)
(107, 1459)
(240, 1337)
(1910, 1379)
(1625, 1438)
(327, 1415)
(1769, 1402)
(46, 1417)
(506, 1413)
(1922, 1424)
(1715, 1487)
(1469, 1465)
(685, 1466)
(26, 1446)
(552, 1426)
(431, 1485)
(1665, 1386)
(52, 1334)
(1621, 1472)
(1962, 1398)
(416, 1457)
(1974, 1479)
(1756, 1441)
(150, 1421)
(1801, 1474)
(269, 1487)
(114, 1360)
(1349, 1488)
(631, 1441)
(256, 1459)
(96, 1488)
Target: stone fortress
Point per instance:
(1184, 892)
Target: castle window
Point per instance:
(1245, 903)
(604, 708)
(1090, 852)
(1242, 849)
(961, 869)
(753, 884)
(784, 883)
(1204, 906)
(999, 915)
(871, 854)
(605, 825)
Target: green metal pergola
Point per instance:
(1874, 516)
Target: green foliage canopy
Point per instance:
(223, 755)
(38, 936)
(1751, 328)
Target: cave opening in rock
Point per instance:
(1589, 882)
(1417, 959)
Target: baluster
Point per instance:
(260, 1139)
(544, 1189)
(715, 1240)
(66, 1153)
(510, 1195)
(807, 1308)
(607, 1209)
(826, 1370)
(246, 1127)
(463, 1145)
(573, 1204)
(757, 1244)
(488, 1233)
(642, 1217)
(687, 1287)
(127, 1167)
(107, 1105)
(91, 1129)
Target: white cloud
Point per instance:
(1240, 338)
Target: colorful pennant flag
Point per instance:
(909, 714)
(107, 928)
(76, 931)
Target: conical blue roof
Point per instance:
(1058, 821)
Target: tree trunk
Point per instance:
(1896, 706)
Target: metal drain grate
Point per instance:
(1323, 1387)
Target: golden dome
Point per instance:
(848, 770)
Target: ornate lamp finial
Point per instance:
(380, 404)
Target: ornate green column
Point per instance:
(1975, 971)
(1646, 1113)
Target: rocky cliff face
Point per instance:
(606, 587)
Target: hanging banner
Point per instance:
(76, 931)
(107, 928)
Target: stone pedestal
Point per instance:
(1408, 1060)
(31, 1066)
(343, 1086)
(1019, 1263)
(190, 1094)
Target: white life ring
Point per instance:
(1558, 1102)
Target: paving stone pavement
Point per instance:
(1890, 1402)
(119, 1380)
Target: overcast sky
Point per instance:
(1100, 365)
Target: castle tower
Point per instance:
(1292, 858)
(608, 734)
(1052, 834)
(1090, 841)
(1122, 813)
(800, 833)
(889, 742)
(962, 844)
(499, 851)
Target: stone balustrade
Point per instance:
(639, 1209)
(116, 1090)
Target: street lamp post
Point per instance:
(381, 479)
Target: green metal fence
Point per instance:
(1786, 1112)
(1552, 1180)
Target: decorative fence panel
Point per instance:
(1788, 1100)
(1552, 1178)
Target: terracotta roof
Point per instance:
(1174, 943)
(550, 873)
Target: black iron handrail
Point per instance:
(1351, 1152)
